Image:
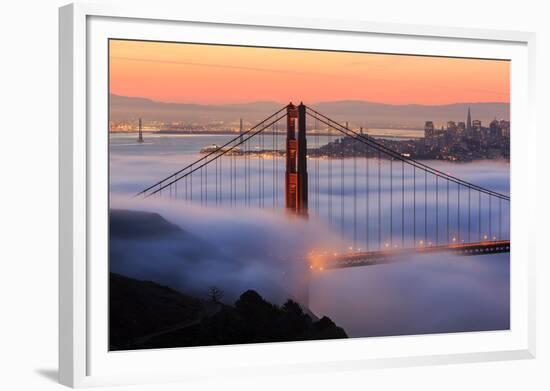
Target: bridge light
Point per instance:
(485, 237)
(387, 245)
(321, 268)
(494, 238)
(351, 248)
(429, 244)
(454, 239)
(421, 242)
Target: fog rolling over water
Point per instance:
(258, 247)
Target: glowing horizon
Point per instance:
(215, 74)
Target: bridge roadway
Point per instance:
(386, 256)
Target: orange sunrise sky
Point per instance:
(212, 74)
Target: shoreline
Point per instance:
(213, 133)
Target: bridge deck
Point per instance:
(385, 256)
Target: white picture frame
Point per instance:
(83, 215)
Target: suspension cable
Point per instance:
(223, 152)
(341, 128)
(159, 183)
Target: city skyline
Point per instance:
(215, 74)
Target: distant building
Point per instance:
(505, 128)
(428, 129)
(476, 125)
(429, 133)
(451, 126)
(494, 129)
(461, 141)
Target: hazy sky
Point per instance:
(193, 73)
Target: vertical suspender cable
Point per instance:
(273, 164)
(458, 203)
(379, 203)
(342, 190)
(447, 218)
(490, 218)
(436, 210)
(354, 196)
(391, 202)
(402, 204)
(367, 212)
(414, 206)
(500, 218)
(329, 150)
(425, 207)
(479, 215)
(469, 216)
(317, 168)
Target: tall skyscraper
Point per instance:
(429, 133)
(469, 121)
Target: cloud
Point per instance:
(234, 249)
(424, 294)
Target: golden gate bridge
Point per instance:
(445, 214)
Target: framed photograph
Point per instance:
(259, 195)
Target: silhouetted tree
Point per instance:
(215, 294)
(294, 321)
(260, 318)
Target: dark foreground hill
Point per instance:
(148, 315)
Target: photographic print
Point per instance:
(274, 195)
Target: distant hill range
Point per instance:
(358, 113)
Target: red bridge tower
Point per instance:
(296, 189)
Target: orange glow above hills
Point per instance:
(208, 74)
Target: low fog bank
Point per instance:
(190, 248)
(425, 294)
